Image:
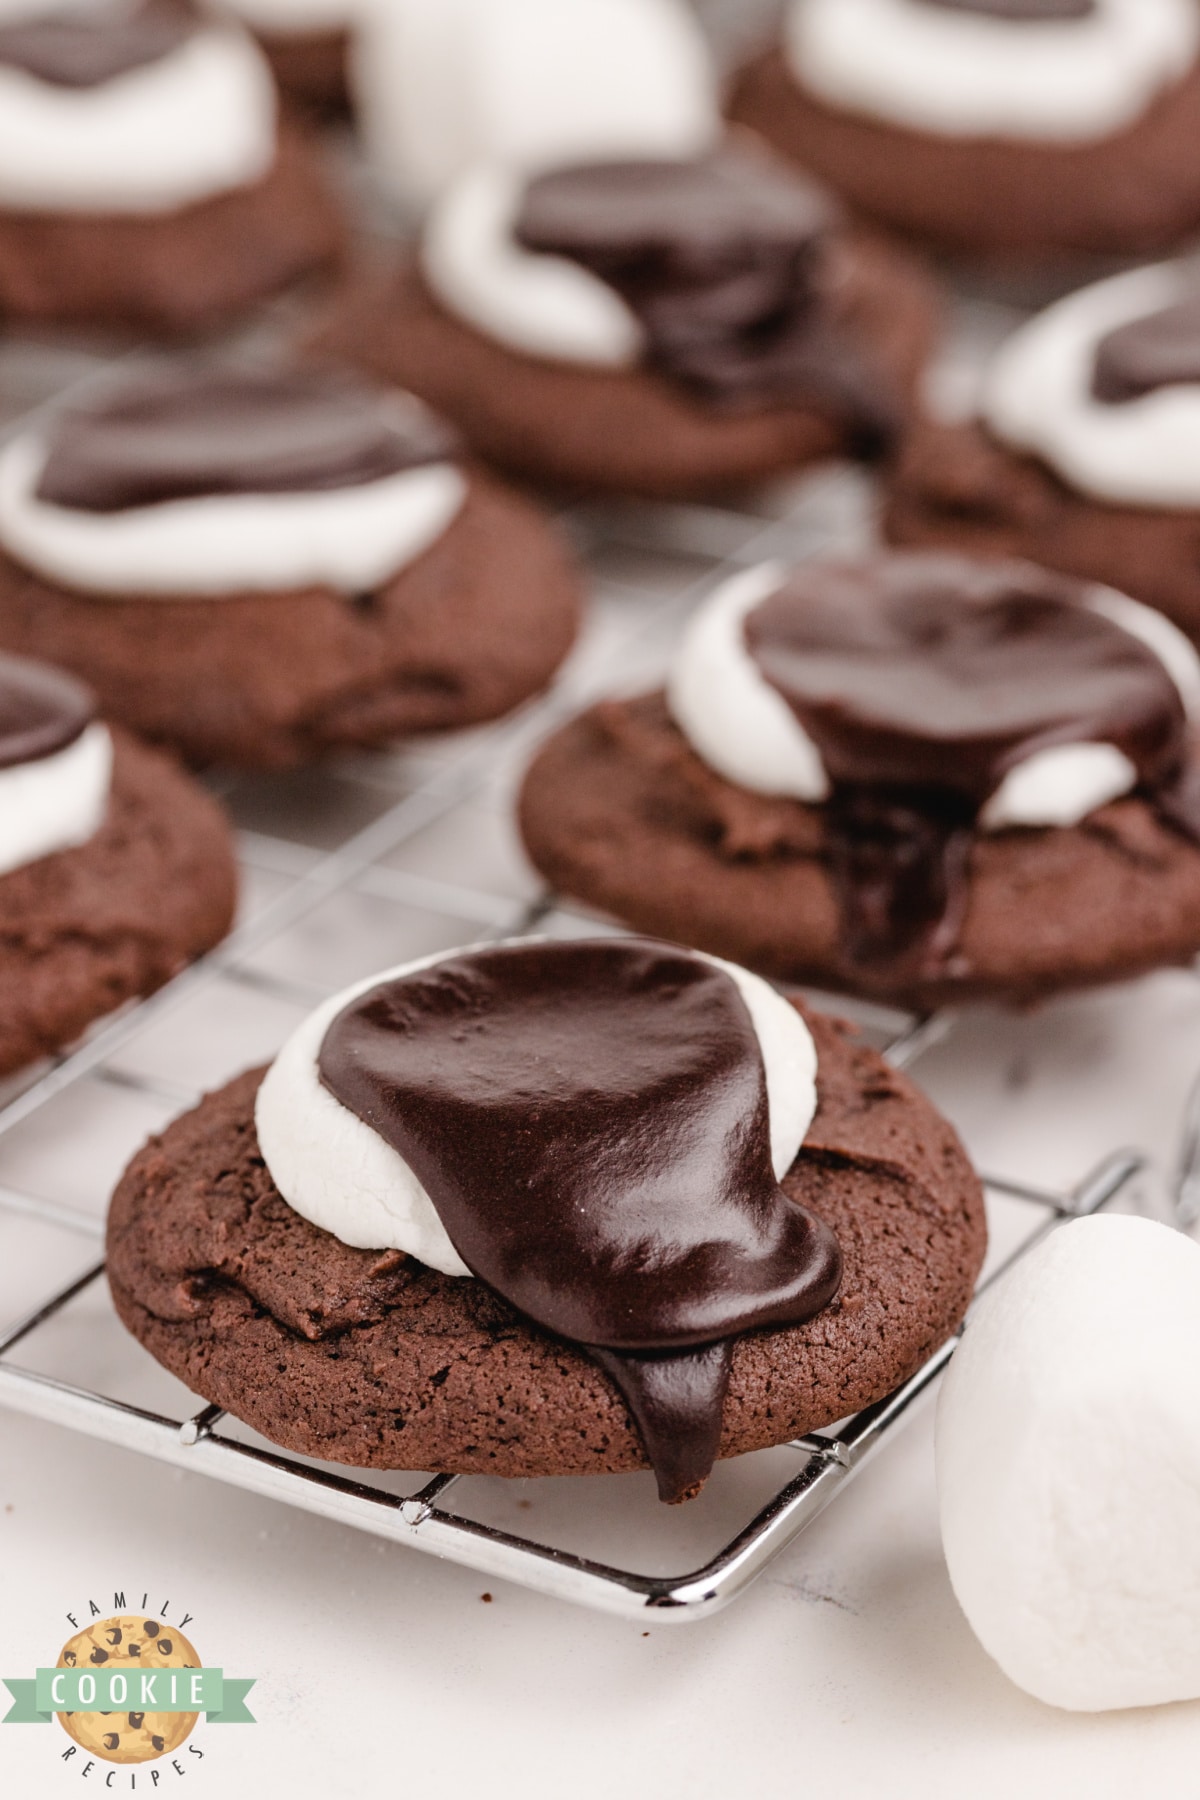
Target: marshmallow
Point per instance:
(442, 84)
(349, 538)
(966, 75)
(744, 728)
(198, 122)
(342, 1176)
(1038, 397)
(56, 803)
(1068, 1462)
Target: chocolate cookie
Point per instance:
(473, 627)
(310, 67)
(175, 273)
(620, 812)
(1131, 193)
(376, 1360)
(632, 430)
(86, 929)
(956, 486)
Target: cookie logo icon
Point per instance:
(132, 1645)
(128, 1689)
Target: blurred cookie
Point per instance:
(362, 1255)
(919, 778)
(1086, 448)
(145, 182)
(666, 328)
(1014, 130)
(115, 868)
(261, 565)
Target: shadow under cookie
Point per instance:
(84, 930)
(955, 487)
(370, 1358)
(1132, 193)
(625, 431)
(619, 812)
(474, 627)
(174, 273)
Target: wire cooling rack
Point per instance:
(354, 867)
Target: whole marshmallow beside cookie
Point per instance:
(1068, 1445)
(441, 84)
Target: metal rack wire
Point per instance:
(356, 867)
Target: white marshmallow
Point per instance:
(350, 538)
(342, 1176)
(969, 76)
(297, 17)
(198, 122)
(56, 803)
(1068, 1461)
(744, 728)
(1037, 397)
(443, 84)
(544, 306)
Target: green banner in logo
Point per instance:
(221, 1698)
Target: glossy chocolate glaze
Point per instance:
(590, 1120)
(85, 46)
(1160, 350)
(722, 259)
(923, 680)
(42, 711)
(1024, 11)
(190, 430)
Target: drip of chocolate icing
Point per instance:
(83, 47)
(42, 711)
(189, 430)
(923, 680)
(1023, 11)
(1160, 350)
(722, 260)
(590, 1121)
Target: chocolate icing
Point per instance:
(42, 711)
(192, 430)
(923, 680)
(83, 47)
(722, 260)
(591, 1122)
(1023, 11)
(1159, 350)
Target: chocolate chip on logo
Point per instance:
(112, 1741)
(157, 1742)
(114, 1636)
(135, 1720)
(150, 1627)
(69, 1658)
(98, 1655)
(165, 1646)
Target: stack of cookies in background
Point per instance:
(688, 524)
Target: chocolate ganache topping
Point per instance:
(923, 680)
(1160, 350)
(85, 46)
(42, 711)
(590, 1121)
(723, 261)
(1022, 11)
(185, 432)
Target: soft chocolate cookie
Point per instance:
(619, 811)
(629, 430)
(86, 929)
(373, 1359)
(956, 486)
(310, 67)
(476, 625)
(1131, 193)
(179, 273)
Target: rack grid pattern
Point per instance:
(362, 865)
